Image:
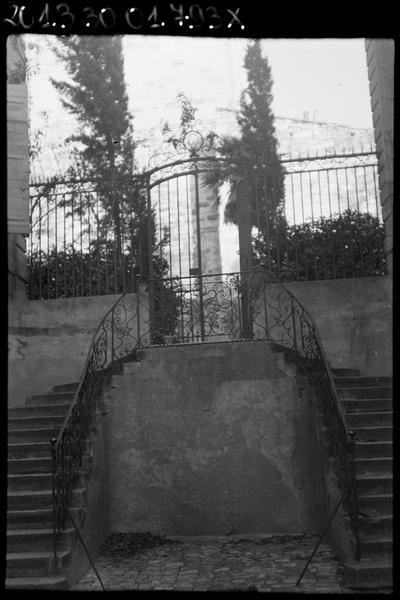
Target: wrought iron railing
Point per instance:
(117, 337)
(235, 307)
(329, 225)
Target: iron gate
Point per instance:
(168, 236)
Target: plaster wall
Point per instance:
(49, 340)
(211, 439)
(354, 319)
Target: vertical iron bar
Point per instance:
(341, 232)
(303, 222)
(89, 248)
(267, 213)
(169, 228)
(295, 236)
(159, 216)
(40, 249)
(150, 260)
(73, 245)
(122, 244)
(81, 236)
(359, 238)
(112, 334)
(312, 227)
(65, 248)
(48, 248)
(56, 245)
(331, 234)
(366, 188)
(31, 246)
(197, 200)
(179, 255)
(277, 237)
(349, 238)
(179, 227)
(189, 251)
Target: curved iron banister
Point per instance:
(117, 336)
(340, 437)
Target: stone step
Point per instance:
(37, 518)
(54, 582)
(373, 449)
(35, 422)
(374, 434)
(360, 381)
(365, 392)
(20, 466)
(29, 481)
(383, 545)
(35, 564)
(42, 434)
(375, 505)
(34, 519)
(369, 419)
(345, 372)
(40, 410)
(375, 526)
(41, 499)
(36, 540)
(374, 465)
(66, 387)
(374, 571)
(374, 484)
(41, 399)
(352, 405)
(29, 450)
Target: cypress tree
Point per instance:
(254, 152)
(103, 148)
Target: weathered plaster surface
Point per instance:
(354, 318)
(49, 340)
(209, 440)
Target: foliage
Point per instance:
(104, 152)
(255, 147)
(348, 245)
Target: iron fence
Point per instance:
(86, 241)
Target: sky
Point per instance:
(326, 77)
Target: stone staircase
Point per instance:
(30, 561)
(367, 402)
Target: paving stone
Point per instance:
(268, 564)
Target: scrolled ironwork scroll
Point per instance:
(121, 331)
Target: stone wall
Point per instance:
(212, 439)
(380, 60)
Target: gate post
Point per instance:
(150, 261)
(199, 262)
(245, 254)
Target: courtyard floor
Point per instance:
(221, 563)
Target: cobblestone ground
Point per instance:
(225, 563)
